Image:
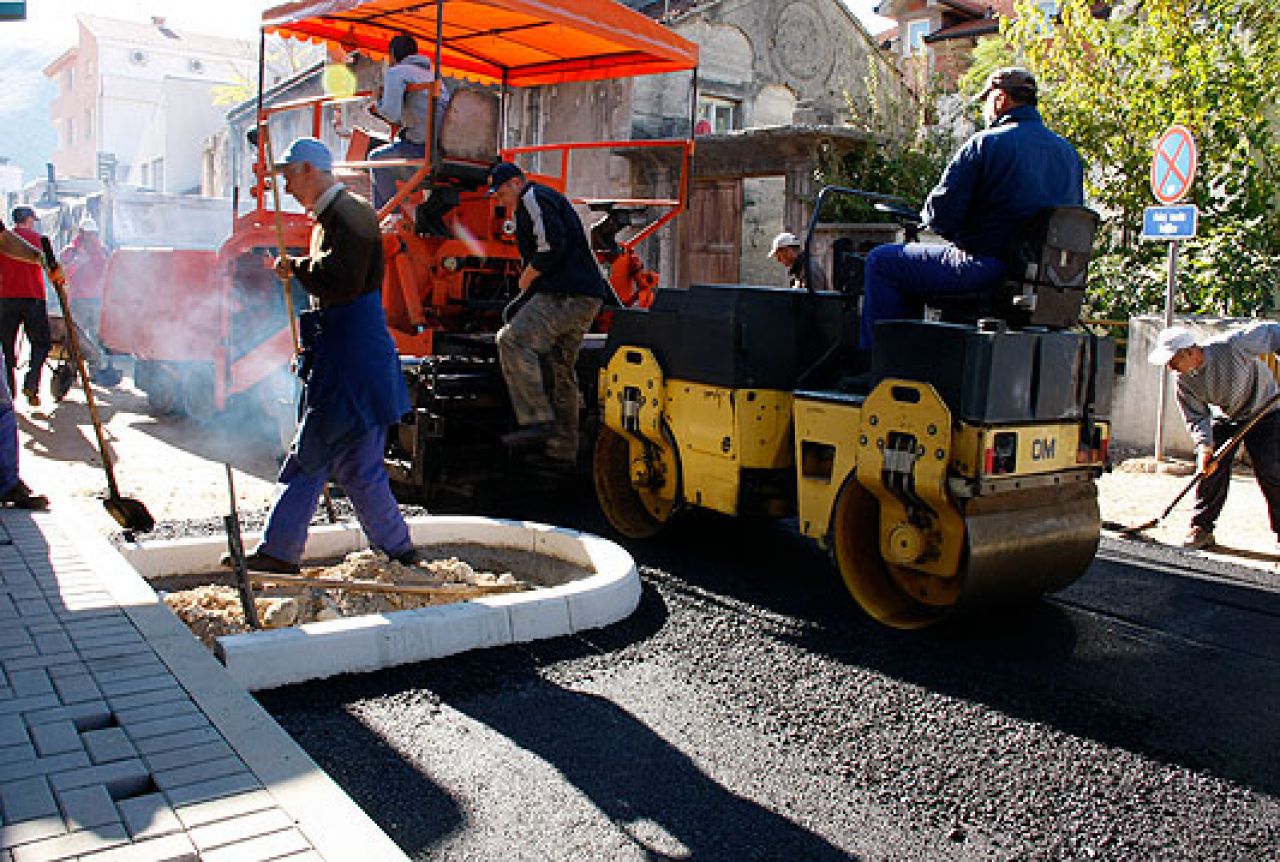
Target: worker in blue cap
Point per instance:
(352, 386)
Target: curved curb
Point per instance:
(267, 659)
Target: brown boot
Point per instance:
(20, 497)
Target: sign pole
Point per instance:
(1172, 171)
(1171, 287)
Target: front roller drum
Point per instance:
(632, 510)
(1018, 545)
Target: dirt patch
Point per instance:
(210, 605)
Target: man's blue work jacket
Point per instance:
(551, 239)
(351, 376)
(999, 178)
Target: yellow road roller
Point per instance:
(953, 468)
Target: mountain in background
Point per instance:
(27, 138)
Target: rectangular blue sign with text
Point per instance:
(1178, 222)
(13, 11)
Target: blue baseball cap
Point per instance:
(312, 151)
(502, 172)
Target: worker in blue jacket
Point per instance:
(998, 179)
(565, 290)
(352, 386)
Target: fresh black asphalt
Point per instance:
(748, 711)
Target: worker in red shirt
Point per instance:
(85, 263)
(13, 491)
(22, 303)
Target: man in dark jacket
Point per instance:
(567, 290)
(998, 179)
(352, 385)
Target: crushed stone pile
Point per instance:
(211, 610)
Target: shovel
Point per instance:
(1218, 455)
(129, 513)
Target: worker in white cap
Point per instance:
(1225, 372)
(802, 271)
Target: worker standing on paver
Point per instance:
(803, 272)
(13, 491)
(352, 386)
(1225, 372)
(22, 304)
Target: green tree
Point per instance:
(1112, 85)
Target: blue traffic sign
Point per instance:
(1174, 167)
(1170, 222)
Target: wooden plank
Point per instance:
(454, 591)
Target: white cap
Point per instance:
(1169, 342)
(783, 240)
(87, 223)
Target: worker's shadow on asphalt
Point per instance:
(651, 791)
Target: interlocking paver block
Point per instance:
(134, 671)
(71, 845)
(184, 739)
(230, 805)
(88, 807)
(28, 831)
(84, 715)
(73, 689)
(236, 829)
(122, 778)
(188, 756)
(271, 846)
(58, 764)
(14, 705)
(155, 727)
(124, 702)
(206, 790)
(169, 848)
(144, 683)
(13, 731)
(167, 779)
(52, 642)
(15, 753)
(110, 743)
(27, 799)
(29, 683)
(150, 712)
(52, 662)
(55, 737)
(148, 816)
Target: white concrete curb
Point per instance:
(267, 659)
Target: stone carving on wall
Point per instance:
(802, 43)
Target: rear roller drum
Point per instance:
(633, 512)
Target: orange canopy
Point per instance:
(518, 42)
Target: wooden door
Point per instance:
(711, 233)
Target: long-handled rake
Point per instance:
(1218, 455)
(129, 513)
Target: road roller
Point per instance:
(952, 468)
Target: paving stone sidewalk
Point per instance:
(122, 739)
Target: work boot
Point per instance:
(530, 435)
(33, 397)
(20, 497)
(260, 562)
(1198, 538)
(408, 558)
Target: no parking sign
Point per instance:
(1174, 167)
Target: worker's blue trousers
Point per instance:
(8, 436)
(360, 471)
(898, 276)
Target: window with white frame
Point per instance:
(914, 43)
(722, 115)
